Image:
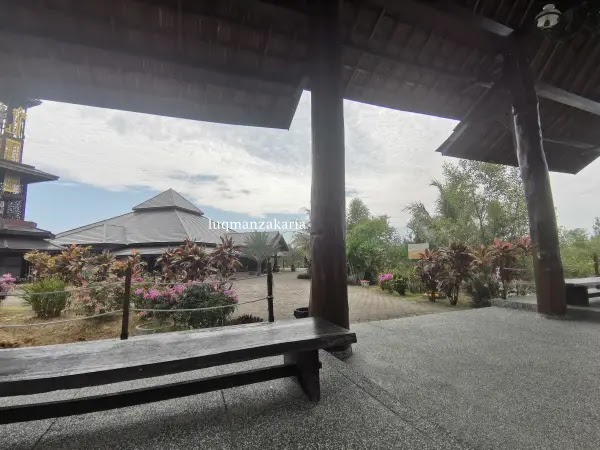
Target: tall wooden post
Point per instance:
(527, 134)
(270, 292)
(329, 292)
(126, 302)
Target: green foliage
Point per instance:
(99, 298)
(103, 264)
(357, 212)
(203, 296)
(71, 263)
(578, 252)
(483, 284)
(245, 318)
(257, 247)
(224, 259)
(301, 242)
(400, 284)
(304, 276)
(190, 262)
(371, 246)
(47, 297)
(42, 263)
(457, 263)
(294, 257)
(430, 268)
(476, 203)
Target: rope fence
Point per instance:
(127, 301)
(43, 324)
(133, 283)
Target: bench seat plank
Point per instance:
(140, 396)
(68, 366)
(588, 282)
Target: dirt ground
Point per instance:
(82, 330)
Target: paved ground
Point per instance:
(492, 378)
(352, 414)
(496, 378)
(365, 304)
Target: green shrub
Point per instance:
(245, 318)
(203, 296)
(400, 284)
(51, 304)
(304, 276)
(482, 287)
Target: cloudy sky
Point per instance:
(108, 161)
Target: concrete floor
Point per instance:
(490, 378)
(495, 378)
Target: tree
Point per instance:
(258, 248)
(596, 226)
(302, 242)
(579, 252)
(357, 212)
(476, 203)
(369, 245)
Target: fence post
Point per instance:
(126, 302)
(270, 291)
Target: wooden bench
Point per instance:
(25, 371)
(580, 290)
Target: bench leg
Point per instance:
(308, 365)
(577, 296)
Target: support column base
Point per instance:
(341, 352)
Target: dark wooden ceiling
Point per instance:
(247, 62)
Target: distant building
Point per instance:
(17, 236)
(162, 222)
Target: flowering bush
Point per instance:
(385, 281)
(191, 295)
(7, 284)
(205, 296)
(98, 298)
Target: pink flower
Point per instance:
(152, 294)
(139, 291)
(385, 277)
(232, 295)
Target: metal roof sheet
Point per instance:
(153, 223)
(168, 199)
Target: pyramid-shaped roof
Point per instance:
(167, 200)
(167, 217)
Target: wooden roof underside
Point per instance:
(246, 62)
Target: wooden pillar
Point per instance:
(527, 134)
(329, 292)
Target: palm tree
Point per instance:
(258, 248)
(302, 241)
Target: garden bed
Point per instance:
(82, 330)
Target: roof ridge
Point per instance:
(187, 231)
(168, 199)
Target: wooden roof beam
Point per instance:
(449, 20)
(559, 95)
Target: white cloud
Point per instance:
(390, 159)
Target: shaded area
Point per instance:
(497, 378)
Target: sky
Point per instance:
(109, 161)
